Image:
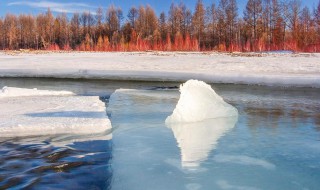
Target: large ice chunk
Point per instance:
(199, 120)
(19, 92)
(198, 101)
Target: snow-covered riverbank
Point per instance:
(280, 69)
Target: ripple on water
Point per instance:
(32, 163)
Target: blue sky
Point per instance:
(37, 6)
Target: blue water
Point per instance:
(275, 143)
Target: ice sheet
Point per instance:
(198, 102)
(19, 92)
(134, 106)
(49, 115)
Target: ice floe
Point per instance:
(19, 92)
(37, 112)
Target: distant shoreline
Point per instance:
(235, 53)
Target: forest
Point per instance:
(264, 25)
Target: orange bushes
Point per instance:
(136, 44)
(53, 47)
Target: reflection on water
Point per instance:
(196, 140)
(297, 113)
(317, 121)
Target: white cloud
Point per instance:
(69, 7)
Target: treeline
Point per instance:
(265, 25)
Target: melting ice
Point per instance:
(198, 102)
(199, 120)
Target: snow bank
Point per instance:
(196, 140)
(198, 101)
(36, 112)
(277, 69)
(19, 92)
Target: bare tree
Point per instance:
(292, 13)
(175, 19)
(232, 17)
(163, 26)
(185, 17)
(222, 21)
(49, 26)
(198, 20)
(267, 24)
(62, 30)
(2, 45)
(212, 25)
(10, 31)
(317, 16)
(26, 31)
(306, 33)
(91, 23)
(147, 21)
(253, 18)
(151, 21)
(99, 22)
(141, 20)
(112, 20)
(84, 23)
(120, 17)
(132, 16)
(75, 30)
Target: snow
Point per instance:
(45, 114)
(278, 69)
(198, 102)
(19, 92)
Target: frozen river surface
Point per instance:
(273, 144)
